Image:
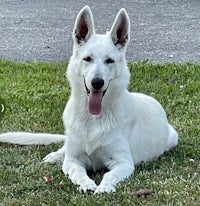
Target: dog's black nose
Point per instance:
(97, 83)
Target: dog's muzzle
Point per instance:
(95, 95)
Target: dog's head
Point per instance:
(99, 60)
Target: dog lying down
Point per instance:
(105, 125)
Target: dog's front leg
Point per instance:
(114, 176)
(76, 171)
(120, 165)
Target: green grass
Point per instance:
(35, 95)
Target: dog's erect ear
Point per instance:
(84, 26)
(120, 31)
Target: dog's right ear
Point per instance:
(84, 26)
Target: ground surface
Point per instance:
(35, 96)
(161, 30)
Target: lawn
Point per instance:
(35, 95)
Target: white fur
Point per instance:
(26, 138)
(131, 127)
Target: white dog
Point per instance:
(105, 125)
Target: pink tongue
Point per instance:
(95, 99)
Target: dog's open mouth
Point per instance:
(94, 100)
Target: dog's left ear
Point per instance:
(84, 26)
(120, 31)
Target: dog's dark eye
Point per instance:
(87, 59)
(109, 61)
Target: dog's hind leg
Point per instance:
(172, 138)
(55, 157)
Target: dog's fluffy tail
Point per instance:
(26, 138)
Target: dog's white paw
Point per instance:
(54, 158)
(105, 188)
(88, 187)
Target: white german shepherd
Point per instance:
(105, 125)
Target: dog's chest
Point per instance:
(96, 160)
(93, 131)
(95, 135)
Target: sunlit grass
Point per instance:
(35, 95)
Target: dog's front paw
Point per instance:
(105, 188)
(54, 158)
(88, 187)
